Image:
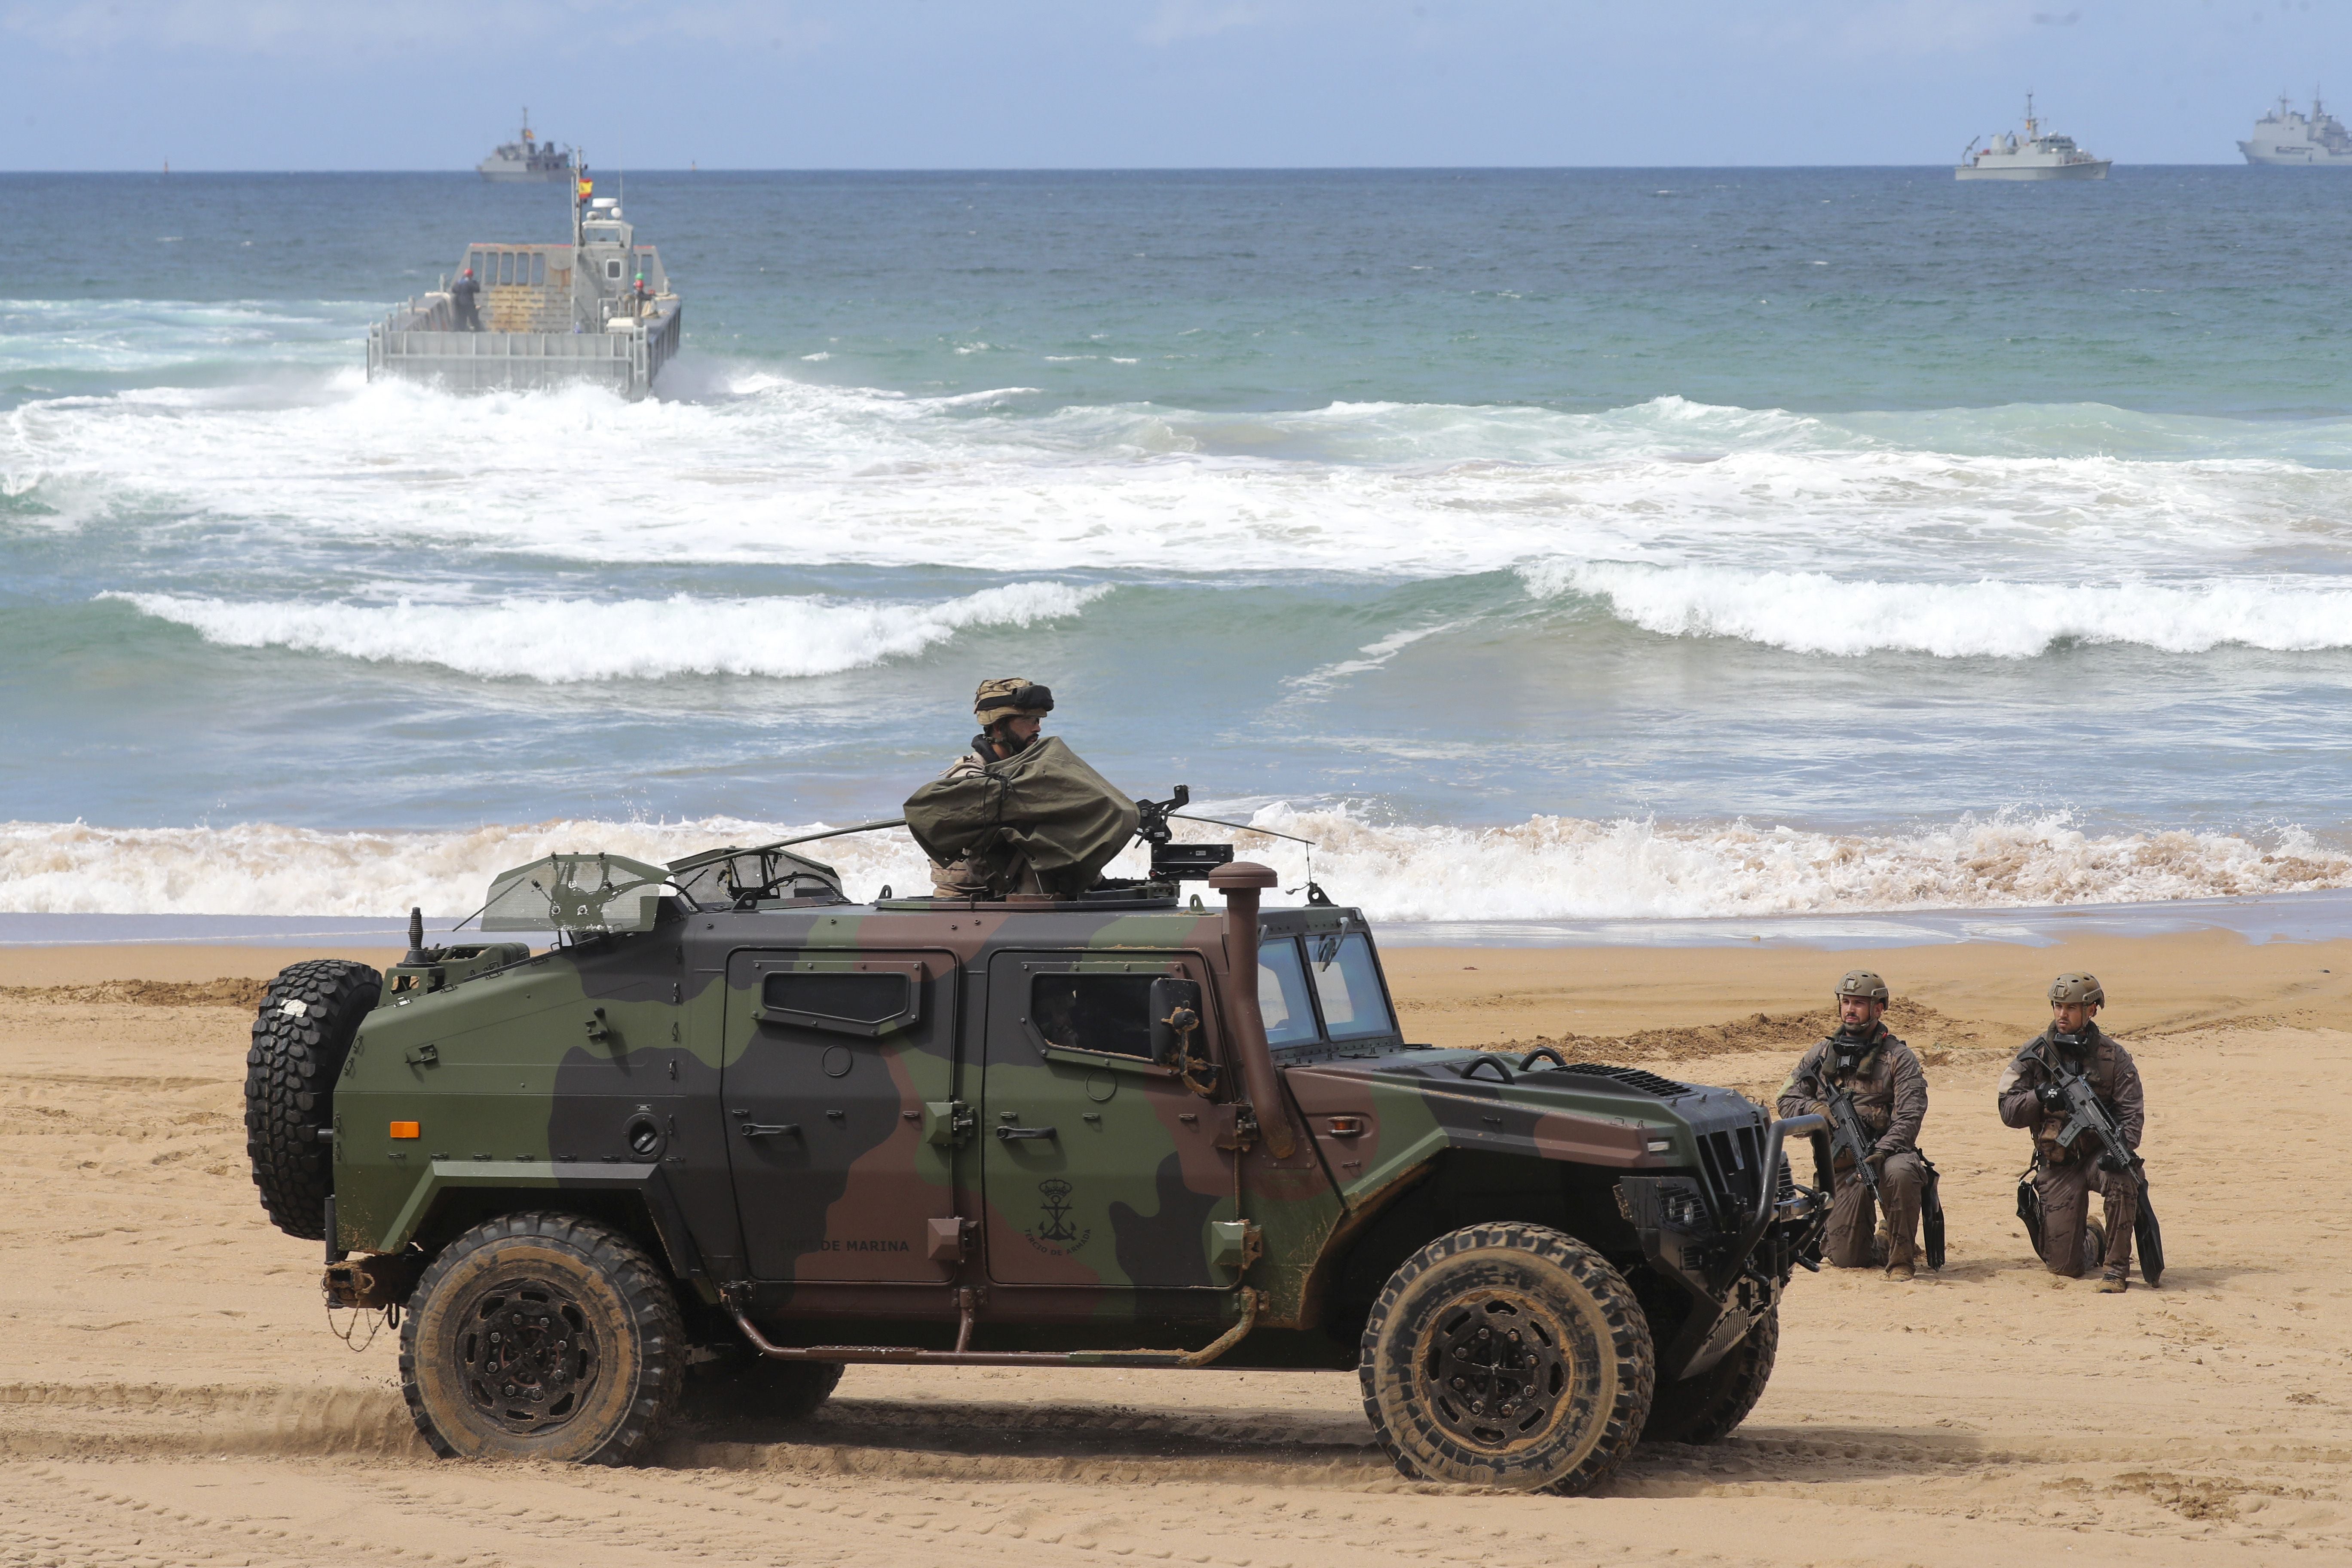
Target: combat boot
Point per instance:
(1902, 1273)
(2094, 1246)
(2113, 1283)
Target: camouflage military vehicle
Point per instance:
(735, 1124)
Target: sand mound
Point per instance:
(228, 991)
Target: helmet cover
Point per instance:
(1010, 697)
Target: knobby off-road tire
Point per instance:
(300, 1036)
(1706, 1408)
(1508, 1356)
(748, 1386)
(543, 1336)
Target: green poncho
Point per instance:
(1041, 807)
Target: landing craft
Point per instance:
(599, 309)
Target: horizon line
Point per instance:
(1124, 169)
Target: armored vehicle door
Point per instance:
(831, 1058)
(1100, 1167)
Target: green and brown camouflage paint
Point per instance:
(825, 1172)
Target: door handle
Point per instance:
(781, 1130)
(1009, 1133)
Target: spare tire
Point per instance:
(300, 1038)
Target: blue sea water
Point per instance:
(1546, 544)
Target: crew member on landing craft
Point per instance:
(1890, 1095)
(462, 295)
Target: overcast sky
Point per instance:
(432, 84)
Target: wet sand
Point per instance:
(170, 1392)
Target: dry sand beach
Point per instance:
(170, 1392)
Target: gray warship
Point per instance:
(599, 309)
(526, 158)
(2037, 155)
(2284, 139)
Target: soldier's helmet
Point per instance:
(2083, 988)
(1010, 697)
(1862, 983)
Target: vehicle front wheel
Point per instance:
(544, 1336)
(1704, 1408)
(1508, 1356)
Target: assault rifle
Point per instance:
(1848, 1133)
(2088, 1113)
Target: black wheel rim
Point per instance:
(1493, 1368)
(525, 1354)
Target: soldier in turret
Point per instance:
(1890, 1093)
(2030, 1097)
(1012, 710)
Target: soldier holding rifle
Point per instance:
(1870, 1087)
(2078, 1091)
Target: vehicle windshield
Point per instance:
(1281, 993)
(1348, 984)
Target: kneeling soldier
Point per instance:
(1890, 1093)
(2063, 1177)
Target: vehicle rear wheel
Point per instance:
(1508, 1356)
(1706, 1408)
(300, 1036)
(543, 1336)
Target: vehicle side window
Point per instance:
(1281, 993)
(1348, 984)
(1109, 1013)
(871, 999)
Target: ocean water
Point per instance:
(1547, 546)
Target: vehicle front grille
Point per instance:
(1732, 1161)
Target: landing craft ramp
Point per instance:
(600, 309)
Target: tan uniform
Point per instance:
(2064, 1177)
(1890, 1093)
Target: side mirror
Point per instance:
(1175, 1018)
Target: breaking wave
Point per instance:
(1811, 612)
(767, 470)
(563, 641)
(1547, 868)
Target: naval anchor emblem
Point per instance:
(1055, 1236)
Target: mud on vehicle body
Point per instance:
(733, 1115)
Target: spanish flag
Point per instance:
(587, 187)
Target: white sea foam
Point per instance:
(1547, 868)
(560, 640)
(1812, 612)
(767, 470)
